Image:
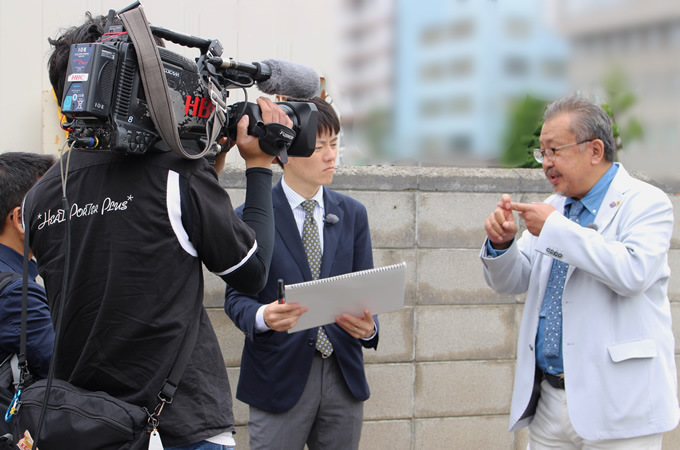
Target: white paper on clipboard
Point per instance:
(379, 290)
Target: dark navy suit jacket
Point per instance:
(275, 365)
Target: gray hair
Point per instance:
(589, 121)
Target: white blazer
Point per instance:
(618, 343)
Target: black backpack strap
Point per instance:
(23, 365)
(167, 392)
(6, 278)
(170, 386)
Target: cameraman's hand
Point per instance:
(249, 146)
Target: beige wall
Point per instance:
(442, 375)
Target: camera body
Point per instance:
(106, 108)
(105, 103)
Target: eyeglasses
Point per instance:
(549, 152)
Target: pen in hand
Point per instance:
(281, 292)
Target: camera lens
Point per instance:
(291, 115)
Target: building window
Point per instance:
(460, 68)
(461, 143)
(553, 69)
(462, 29)
(516, 66)
(432, 36)
(430, 108)
(517, 28)
(675, 34)
(459, 106)
(432, 72)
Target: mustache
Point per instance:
(552, 172)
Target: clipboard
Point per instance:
(379, 290)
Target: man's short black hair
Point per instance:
(328, 119)
(18, 173)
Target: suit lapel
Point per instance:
(284, 223)
(611, 204)
(545, 262)
(331, 232)
(613, 199)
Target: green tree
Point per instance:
(619, 101)
(524, 131)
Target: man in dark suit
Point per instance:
(307, 387)
(18, 173)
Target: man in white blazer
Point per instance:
(595, 358)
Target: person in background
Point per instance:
(307, 387)
(595, 359)
(18, 173)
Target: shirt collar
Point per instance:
(13, 261)
(593, 199)
(295, 199)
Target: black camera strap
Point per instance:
(156, 86)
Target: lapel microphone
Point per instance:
(331, 219)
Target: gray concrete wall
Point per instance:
(442, 376)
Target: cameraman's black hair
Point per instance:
(327, 122)
(18, 173)
(90, 31)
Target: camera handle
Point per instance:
(155, 84)
(275, 139)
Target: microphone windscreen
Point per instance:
(331, 219)
(291, 80)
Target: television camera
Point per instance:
(106, 108)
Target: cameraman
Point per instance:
(141, 229)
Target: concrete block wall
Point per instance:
(443, 373)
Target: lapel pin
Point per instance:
(614, 204)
